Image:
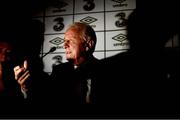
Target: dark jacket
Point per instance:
(11, 98)
(70, 85)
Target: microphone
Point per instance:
(50, 51)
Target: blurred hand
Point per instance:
(22, 74)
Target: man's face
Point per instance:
(5, 50)
(74, 48)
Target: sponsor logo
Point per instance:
(90, 5)
(120, 3)
(122, 21)
(121, 38)
(59, 24)
(58, 5)
(57, 41)
(88, 20)
(58, 60)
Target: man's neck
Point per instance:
(81, 61)
(1, 80)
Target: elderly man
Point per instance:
(75, 80)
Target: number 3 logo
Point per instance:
(59, 26)
(90, 5)
(121, 20)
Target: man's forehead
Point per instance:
(4, 45)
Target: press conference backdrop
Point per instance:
(107, 17)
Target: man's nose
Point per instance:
(65, 45)
(4, 51)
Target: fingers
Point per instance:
(18, 71)
(22, 74)
(25, 64)
(23, 77)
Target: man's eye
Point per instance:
(67, 41)
(8, 54)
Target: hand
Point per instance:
(21, 75)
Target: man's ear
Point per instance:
(89, 45)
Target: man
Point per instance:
(5, 51)
(74, 81)
(10, 94)
(29, 72)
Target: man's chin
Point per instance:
(70, 60)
